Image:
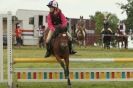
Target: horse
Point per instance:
(60, 49)
(81, 33)
(106, 38)
(121, 38)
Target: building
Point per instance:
(30, 20)
(90, 30)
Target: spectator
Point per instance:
(41, 35)
(18, 33)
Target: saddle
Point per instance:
(59, 30)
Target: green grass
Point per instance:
(75, 85)
(88, 52)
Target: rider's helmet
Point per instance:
(53, 3)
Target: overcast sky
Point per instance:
(71, 8)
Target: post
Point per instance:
(9, 49)
(36, 26)
(1, 48)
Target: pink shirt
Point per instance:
(51, 26)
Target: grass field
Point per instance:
(75, 85)
(88, 52)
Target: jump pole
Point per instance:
(53, 60)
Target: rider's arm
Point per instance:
(50, 25)
(64, 20)
(77, 25)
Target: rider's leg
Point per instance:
(84, 33)
(84, 38)
(48, 45)
(76, 30)
(71, 51)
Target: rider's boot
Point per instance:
(48, 47)
(71, 51)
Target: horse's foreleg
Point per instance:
(125, 43)
(84, 43)
(118, 44)
(61, 63)
(67, 72)
(67, 67)
(69, 83)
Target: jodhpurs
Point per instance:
(50, 34)
(70, 36)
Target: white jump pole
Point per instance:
(1, 48)
(9, 49)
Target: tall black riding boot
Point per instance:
(71, 51)
(48, 47)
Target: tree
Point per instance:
(99, 19)
(128, 8)
(113, 20)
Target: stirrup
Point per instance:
(47, 54)
(73, 52)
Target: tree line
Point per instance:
(99, 17)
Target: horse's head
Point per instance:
(60, 43)
(63, 39)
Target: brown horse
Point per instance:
(60, 50)
(120, 38)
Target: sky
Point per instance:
(70, 8)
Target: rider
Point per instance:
(122, 27)
(80, 24)
(56, 20)
(106, 25)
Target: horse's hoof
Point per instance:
(69, 86)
